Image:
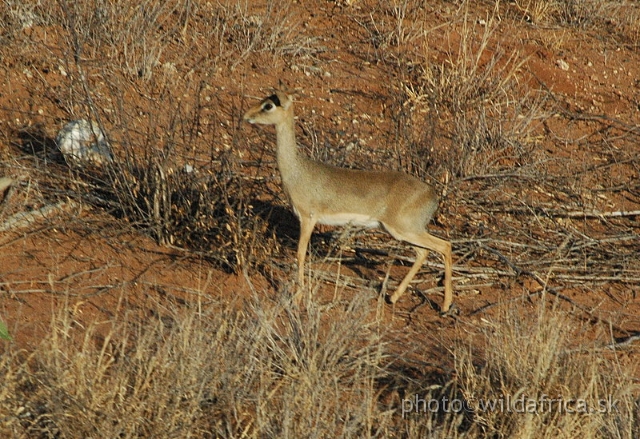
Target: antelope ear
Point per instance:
(291, 93)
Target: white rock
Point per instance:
(562, 64)
(82, 141)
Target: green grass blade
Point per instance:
(4, 332)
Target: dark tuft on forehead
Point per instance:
(275, 99)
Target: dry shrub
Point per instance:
(133, 38)
(579, 13)
(241, 29)
(208, 213)
(395, 23)
(471, 98)
(16, 15)
(529, 378)
(553, 384)
(536, 11)
(621, 19)
(266, 370)
(175, 173)
(326, 371)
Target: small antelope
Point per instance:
(325, 194)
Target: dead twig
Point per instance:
(623, 342)
(565, 214)
(25, 219)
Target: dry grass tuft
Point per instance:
(263, 370)
(528, 378)
(472, 98)
(621, 19)
(552, 383)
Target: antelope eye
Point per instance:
(268, 106)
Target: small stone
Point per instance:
(562, 64)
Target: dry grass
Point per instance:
(262, 370)
(620, 19)
(460, 110)
(471, 98)
(527, 379)
(268, 369)
(536, 359)
(474, 126)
